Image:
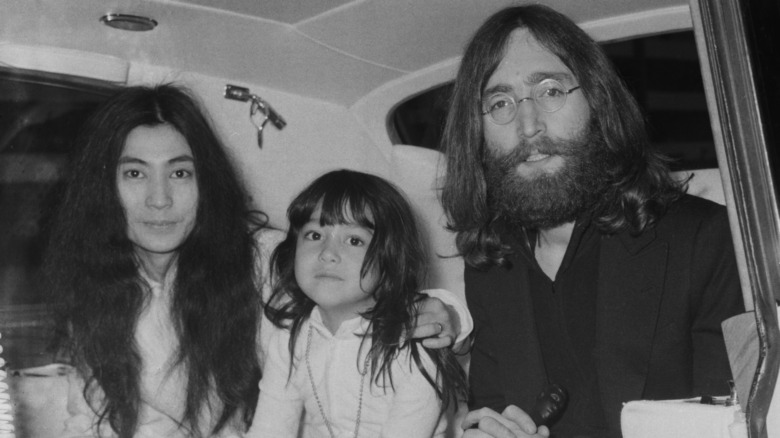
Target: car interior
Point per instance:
(364, 84)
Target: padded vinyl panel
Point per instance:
(417, 172)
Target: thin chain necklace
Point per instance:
(317, 397)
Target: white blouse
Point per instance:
(410, 409)
(163, 389)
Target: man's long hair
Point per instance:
(93, 271)
(397, 255)
(640, 188)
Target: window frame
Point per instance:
(741, 126)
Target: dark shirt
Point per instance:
(565, 314)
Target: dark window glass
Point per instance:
(39, 117)
(663, 73)
(764, 46)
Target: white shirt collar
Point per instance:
(347, 330)
(157, 287)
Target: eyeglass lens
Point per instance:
(549, 95)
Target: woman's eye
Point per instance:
(132, 173)
(182, 173)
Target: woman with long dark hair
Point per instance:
(153, 257)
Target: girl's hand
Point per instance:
(437, 324)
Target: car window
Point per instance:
(39, 117)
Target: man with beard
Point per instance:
(587, 265)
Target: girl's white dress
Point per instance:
(410, 409)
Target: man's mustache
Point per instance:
(525, 148)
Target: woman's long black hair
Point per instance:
(396, 253)
(93, 271)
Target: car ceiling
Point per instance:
(332, 50)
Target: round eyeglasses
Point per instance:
(548, 95)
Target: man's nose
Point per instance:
(528, 118)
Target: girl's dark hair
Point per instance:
(640, 189)
(93, 271)
(396, 253)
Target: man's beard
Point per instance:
(548, 200)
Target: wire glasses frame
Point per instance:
(548, 95)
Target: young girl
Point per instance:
(345, 282)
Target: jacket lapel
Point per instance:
(631, 280)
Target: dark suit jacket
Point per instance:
(661, 298)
